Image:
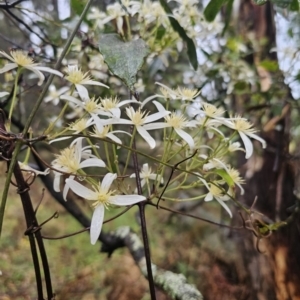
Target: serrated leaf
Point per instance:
(212, 9)
(123, 59)
(226, 177)
(191, 49)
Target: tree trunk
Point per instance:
(275, 273)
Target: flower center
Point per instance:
(176, 121)
(21, 58)
(211, 111)
(67, 159)
(109, 103)
(137, 117)
(91, 105)
(243, 125)
(76, 76)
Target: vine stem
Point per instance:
(143, 220)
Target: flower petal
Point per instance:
(82, 91)
(49, 70)
(96, 224)
(8, 67)
(81, 190)
(123, 200)
(247, 143)
(146, 136)
(107, 181)
(156, 116)
(256, 137)
(185, 136)
(2, 94)
(38, 73)
(92, 162)
(93, 82)
(224, 206)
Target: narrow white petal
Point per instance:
(66, 188)
(128, 101)
(71, 99)
(256, 137)
(114, 138)
(81, 190)
(8, 67)
(49, 70)
(123, 200)
(189, 140)
(159, 106)
(96, 224)
(6, 55)
(149, 99)
(247, 143)
(146, 136)
(92, 82)
(38, 73)
(156, 116)
(60, 139)
(92, 162)
(224, 206)
(82, 91)
(107, 181)
(56, 182)
(157, 125)
(208, 197)
(2, 94)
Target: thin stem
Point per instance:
(14, 95)
(147, 250)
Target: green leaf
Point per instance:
(294, 6)
(269, 65)
(226, 177)
(123, 59)
(282, 3)
(191, 49)
(212, 9)
(260, 2)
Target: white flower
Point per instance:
(216, 193)
(245, 130)
(21, 59)
(177, 121)
(146, 174)
(54, 94)
(111, 106)
(69, 161)
(79, 79)
(103, 131)
(139, 119)
(91, 105)
(103, 197)
(236, 178)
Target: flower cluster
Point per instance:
(172, 126)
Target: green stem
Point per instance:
(129, 152)
(14, 95)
